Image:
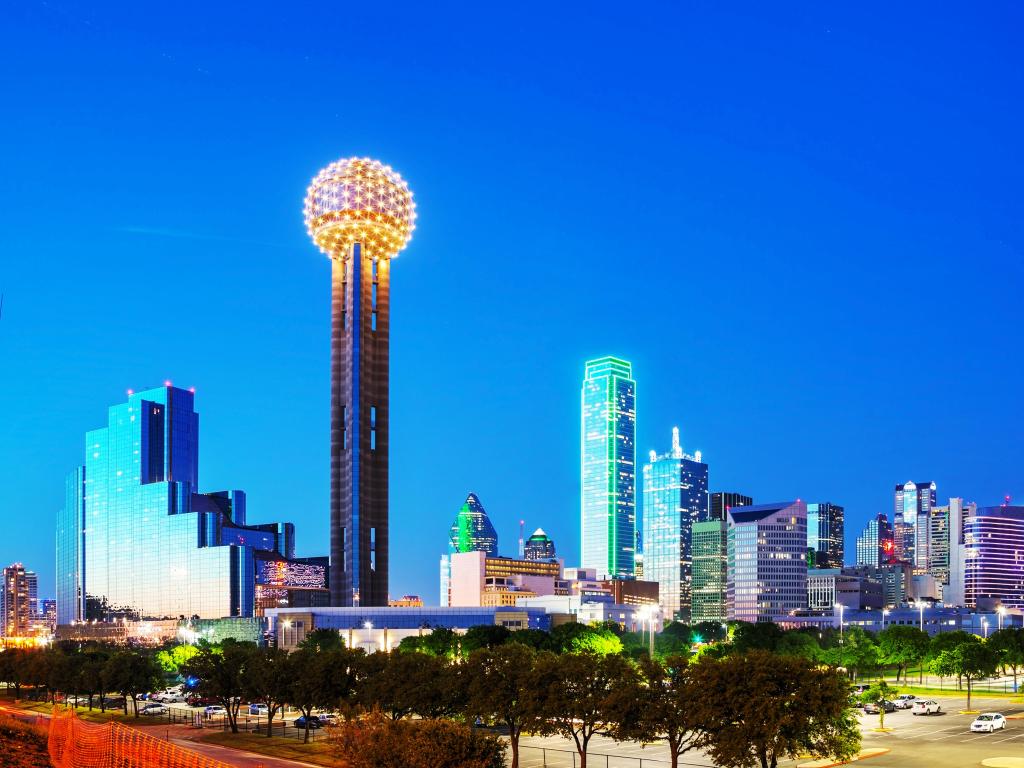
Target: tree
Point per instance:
(403, 684)
(92, 679)
(376, 741)
(484, 636)
(659, 706)
(763, 636)
(309, 688)
(221, 673)
(500, 688)
(268, 680)
(173, 659)
(575, 695)
(131, 673)
(902, 645)
(1009, 644)
(760, 708)
(322, 640)
(879, 693)
(947, 641)
(857, 653)
(537, 639)
(582, 638)
(795, 643)
(709, 632)
(969, 660)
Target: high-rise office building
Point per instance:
(902, 539)
(361, 214)
(709, 598)
(539, 546)
(136, 539)
(994, 557)
(953, 590)
(875, 544)
(767, 561)
(675, 496)
(608, 468)
(723, 501)
(472, 531)
(16, 601)
(824, 535)
(913, 501)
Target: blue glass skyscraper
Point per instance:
(675, 496)
(136, 539)
(608, 468)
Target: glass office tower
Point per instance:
(137, 540)
(875, 544)
(824, 535)
(710, 571)
(608, 468)
(723, 501)
(914, 501)
(472, 531)
(767, 561)
(16, 601)
(994, 557)
(675, 496)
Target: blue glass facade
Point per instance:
(825, 535)
(140, 541)
(608, 468)
(675, 497)
(994, 557)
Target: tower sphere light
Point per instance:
(359, 200)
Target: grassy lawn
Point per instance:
(318, 753)
(948, 690)
(95, 716)
(24, 746)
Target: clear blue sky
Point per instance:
(803, 228)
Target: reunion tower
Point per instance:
(361, 214)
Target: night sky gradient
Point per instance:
(803, 227)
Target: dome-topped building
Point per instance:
(539, 546)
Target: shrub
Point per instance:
(376, 741)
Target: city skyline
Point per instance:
(776, 230)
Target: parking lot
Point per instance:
(916, 741)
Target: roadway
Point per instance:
(916, 741)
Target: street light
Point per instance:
(984, 627)
(1001, 610)
(368, 626)
(287, 624)
(884, 614)
(840, 607)
(920, 610)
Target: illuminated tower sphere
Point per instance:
(361, 214)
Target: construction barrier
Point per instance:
(76, 744)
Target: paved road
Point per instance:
(933, 741)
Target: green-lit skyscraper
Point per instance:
(608, 468)
(710, 571)
(472, 531)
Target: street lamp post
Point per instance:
(840, 607)
(920, 610)
(287, 624)
(1001, 610)
(368, 626)
(884, 614)
(984, 627)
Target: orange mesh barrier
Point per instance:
(74, 744)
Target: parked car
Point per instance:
(873, 707)
(173, 698)
(988, 722)
(314, 722)
(154, 709)
(258, 709)
(327, 718)
(195, 700)
(214, 710)
(904, 701)
(925, 707)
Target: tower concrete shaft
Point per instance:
(359, 428)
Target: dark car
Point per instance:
(195, 700)
(314, 722)
(872, 707)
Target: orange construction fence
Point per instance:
(76, 744)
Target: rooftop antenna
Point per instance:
(677, 451)
(522, 544)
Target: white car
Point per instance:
(153, 709)
(215, 710)
(925, 707)
(988, 722)
(258, 709)
(173, 698)
(904, 701)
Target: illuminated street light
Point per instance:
(884, 614)
(1001, 610)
